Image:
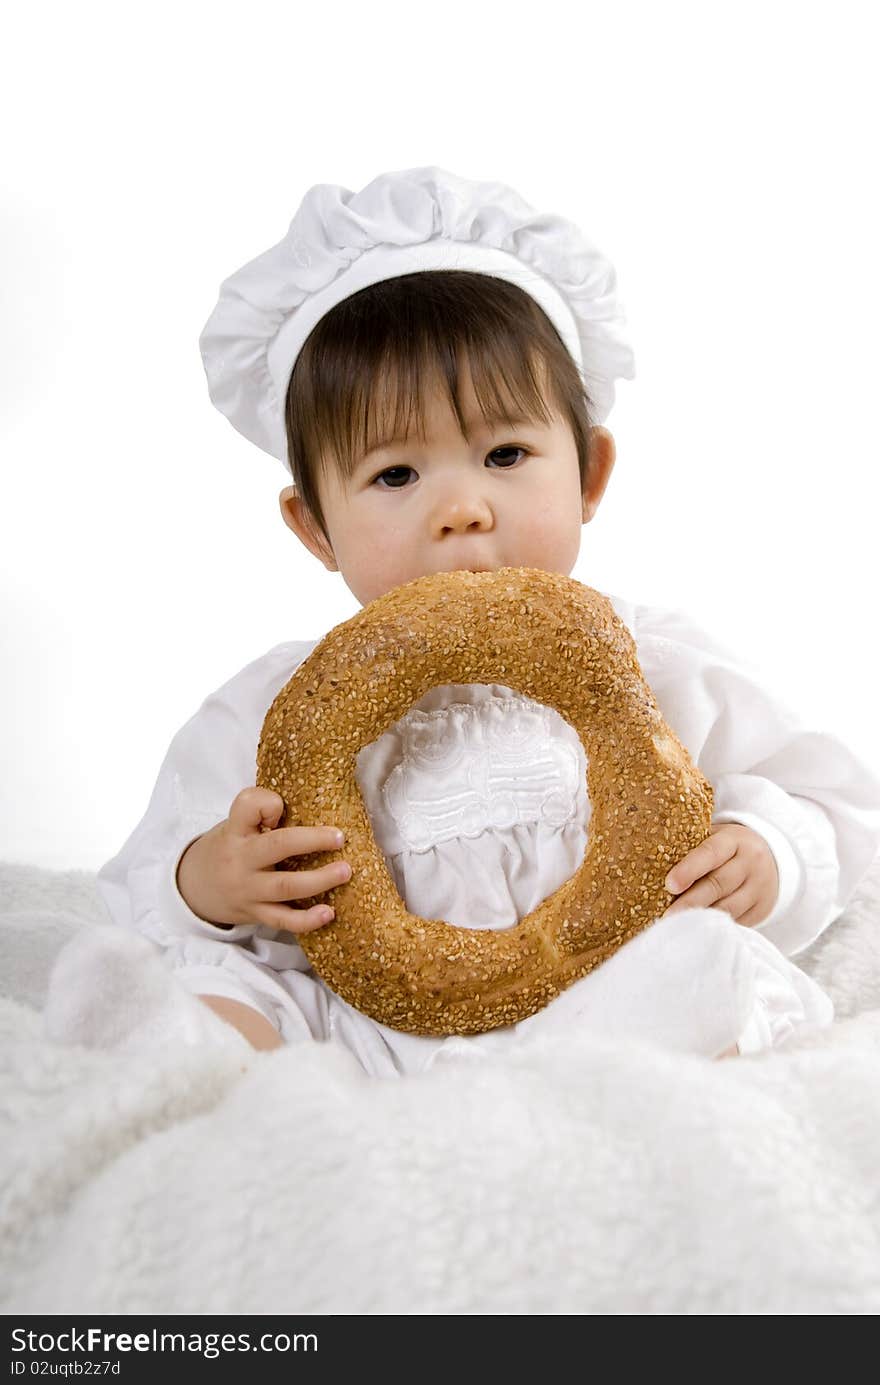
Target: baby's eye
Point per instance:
(394, 472)
(512, 448)
(391, 471)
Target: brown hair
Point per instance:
(385, 341)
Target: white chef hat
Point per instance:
(340, 241)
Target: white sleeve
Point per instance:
(210, 760)
(814, 802)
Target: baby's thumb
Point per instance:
(256, 810)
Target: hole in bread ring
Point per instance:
(557, 642)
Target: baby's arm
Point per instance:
(249, 1022)
(229, 874)
(208, 762)
(804, 791)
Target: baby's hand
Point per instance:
(734, 869)
(227, 876)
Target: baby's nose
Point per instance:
(460, 512)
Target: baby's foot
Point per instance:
(109, 989)
(687, 982)
(788, 1002)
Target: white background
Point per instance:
(724, 158)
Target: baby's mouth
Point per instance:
(476, 567)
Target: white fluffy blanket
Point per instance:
(573, 1176)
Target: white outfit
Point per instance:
(478, 801)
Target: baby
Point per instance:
(432, 360)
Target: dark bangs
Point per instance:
(367, 367)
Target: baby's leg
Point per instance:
(108, 988)
(787, 1000)
(259, 1033)
(686, 983)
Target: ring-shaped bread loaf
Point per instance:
(557, 642)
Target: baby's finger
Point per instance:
(708, 856)
(711, 889)
(254, 808)
(300, 884)
(276, 846)
(294, 920)
(739, 904)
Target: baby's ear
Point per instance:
(297, 518)
(603, 454)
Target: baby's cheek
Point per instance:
(551, 541)
(380, 570)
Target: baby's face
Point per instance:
(508, 497)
